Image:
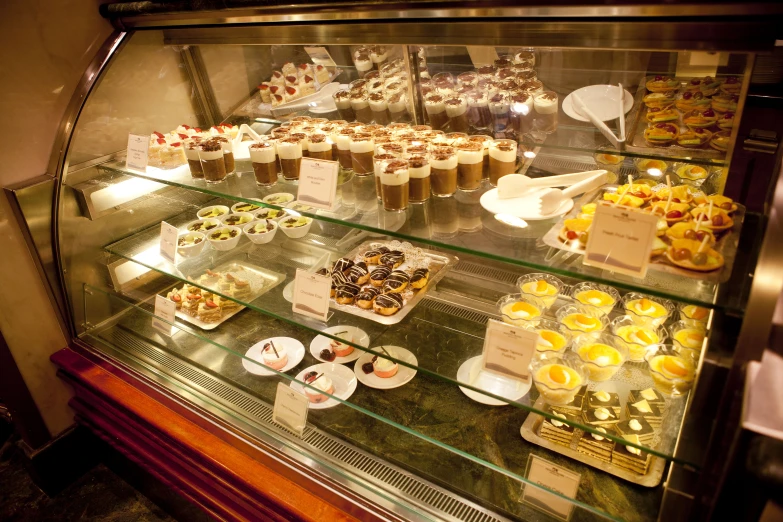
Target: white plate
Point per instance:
(526, 207)
(359, 337)
(490, 382)
(601, 99)
(404, 374)
(343, 380)
(296, 352)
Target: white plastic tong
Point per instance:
(583, 109)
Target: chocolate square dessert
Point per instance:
(639, 427)
(651, 395)
(556, 431)
(604, 399)
(596, 445)
(630, 458)
(644, 410)
(575, 406)
(600, 416)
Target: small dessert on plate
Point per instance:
(700, 119)
(680, 194)
(673, 371)
(662, 84)
(321, 383)
(379, 275)
(646, 310)
(373, 257)
(692, 138)
(396, 282)
(600, 297)
(209, 311)
(341, 349)
(720, 141)
(649, 166)
(575, 231)
(383, 367)
(630, 458)
(558, 378)
(600, 416)
(520, 309)
(644, 410)
(661, 134)
(639, 427)
(542, 286)
(602, 356)
(392, 259)
(346, 293)
(274, 355)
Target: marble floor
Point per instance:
(99, 495)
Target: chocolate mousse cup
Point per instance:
(484, 141)
(457, 111)
(478, 110)
(380, 108)
(194, 163)
(264, 161)
(502, 159)
(436, 111)
(395, 186)
(228, 153)
(211, 155)
(342, 100)
(361, 107)
(320, 146)
(521, 116)
(419, 173)
(470, 164)
(398, 107)
(443, 171)
(290, 152)
(545, 105)
(343, 141)
(362, 152)
(379, 162)
(499, 106)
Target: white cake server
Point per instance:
(519, 185)
(581, 108)
(551, 199)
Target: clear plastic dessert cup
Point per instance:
(558, 377)
(602, 355)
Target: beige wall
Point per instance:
(45, 46)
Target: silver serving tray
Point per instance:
(439, 264)
(726, 245)
(530, 429)
(261, 281)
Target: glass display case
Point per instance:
(451, 216)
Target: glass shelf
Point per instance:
(459, 224)
(432, 436)
(283, 256)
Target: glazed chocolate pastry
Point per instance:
(379, 275)
(387, 304)
(420, 277)
(396, 282)
(372, 257)
(358, 273)
(338, 279)
(364, 299)
(342, 264)
(393, 259)
(345, 294)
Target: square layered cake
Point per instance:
(573, 407)
(630, 458)
(604, 399)
(600, 416)
(651, 395)
(644, 410)
(638, 427)
(557, 431)
(596, 445)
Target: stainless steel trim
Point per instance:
(204, 96)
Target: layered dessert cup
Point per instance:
(263, 158)
(379, 108)
(478, 110)
(541, 286)
(558, 377)
(211, 155)
(320, 146)
(499, 107)
(673, 371)
(342, 140)
(419, 170)
(228, 153)
(436, 111)
(470, 165)
(521, 309)
(502, 159)
(457, 112)
(521, 113)
(647, 310)
(601, 298)
(545, 106)
(194, 162)
(634, 337)
(361, 107)
(602, 356)
(342, 100)
(379, 165)
(289, 150)
(398, 106)
(362, 152)
(395, 181)
(443, 171)
(552, 337)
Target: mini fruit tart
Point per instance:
(721, 202)
(659, 99)
(718, 221)
(658, 247)
(693, 85)
(626, 200)
(661, 134)
(659, 115)
(680, 194)
(575, 231)
(726, 121)
(675, 213)
(691, 172)
(700, 119)
(720, 141)
(639, 190)
(694, 138)
(685, 254)
(692, 101)
(731, 85)
(725, 103)
(709, 85)
(663, 84)
(687, 230)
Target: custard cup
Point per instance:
(586, 287)
(566, 317)
(643, 319)
(676, 333)
(553, 392)
(670, 383)
(548, 300)
(532, 304)
(600, 370)
(544, 346)
(636, 351)
(695, 315)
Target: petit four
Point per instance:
(596, 445)
(557, 431)
(630, 458)
(383, 367)
(639, 427)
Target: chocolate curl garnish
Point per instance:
(316, 378)
(272, 343)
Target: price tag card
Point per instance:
(555, 478)
(320, 56)
(311, 294)
(508, 350)
(168, 242)
(290, 409)
(138, 152)
(621, 240)
(318, 183)
(165, 314)
(482, 55)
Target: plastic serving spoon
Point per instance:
(519, 185)
(552, 199)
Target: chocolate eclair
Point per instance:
(323, 271)
(338, 279)
(379, 275)
(396, 282)
(387, 304)
(358, 273)
(342, 264)
(345, 294)
(366, 296)
(419, 278)
(392, 259)
(372, 257)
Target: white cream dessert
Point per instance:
(363, 63)
(275, 356)
(383, 367)
(322, 74)
(321, 383)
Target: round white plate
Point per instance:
(601, 99)
(493, 383)
(359, 337)
(526, 207)
(296, 352)
(404, 374)
(343, 380)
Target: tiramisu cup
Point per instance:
(379, 56)
(379, 163)
(468, 78)
(521, 113)
(375, 86)
(320, 146)
(380, 108)
(362, 152)
(436, 111)
(211, 155)
(290, 152)
(478, 110)
(342, 100)
(419, 173)
(264, 161)
(398, 106)
(373, 75)
(361, 107)
(391, 147)
(525, 57)
(499, 106)
(486, 72)
(394, 185)
(502, 159)
(457, 111)
(228, 153)
(363, 63)
(191, 153)
(470, 164)
(532, 87)
(484, 141)
(545, 105)
(304, 142)
(343, 142)
(443, 171)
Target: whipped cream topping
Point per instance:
(598, 437)
(602, 396)
(269, 353)
(635, 425)
(603, 413)
(545, 105)
(503, 151)
(289, 150)
(264, 153)
(323, 383)
(557, 422)
(383, 364)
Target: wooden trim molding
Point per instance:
(224, 481)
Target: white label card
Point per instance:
(138, 152)
(320, 56)
(165, 315)
(318, 183)
(290, 409)
(555, 478)
(311, 294)
(482, 55)
(621, 240)
(508, 350)
(168, 242)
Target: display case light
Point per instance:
(105, 195)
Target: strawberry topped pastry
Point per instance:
(304, 69)
(278, 79)
(289, 69)
(307, 85)
(663, 84)
(292, 93)
(263, 89)
(661, 134)
(291, 79)
(322, 74)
